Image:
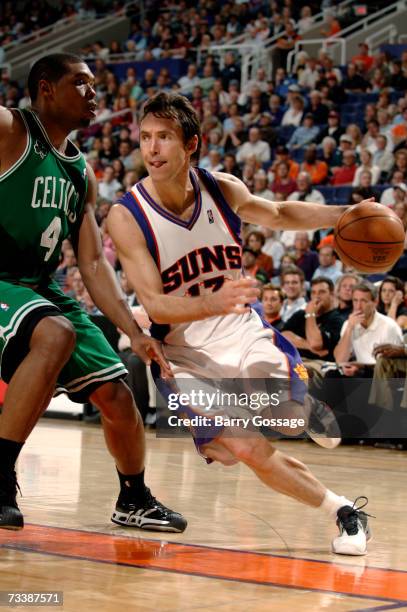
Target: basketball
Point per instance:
(369, 237)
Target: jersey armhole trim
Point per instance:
(130, 201)
(24, 155)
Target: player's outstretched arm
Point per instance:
(288, 215)
(145, 278)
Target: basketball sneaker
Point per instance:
(10, 515)
(354, 530)
(147, 513)
(322, 427)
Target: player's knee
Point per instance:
(115, 401)
(54, 336)
(251, 451)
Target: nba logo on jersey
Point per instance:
(210, 216)
(4, 306)
(40, 149)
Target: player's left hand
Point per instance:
(371, 200)
(149, 349)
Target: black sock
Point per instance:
(132, 483)
(9, 451)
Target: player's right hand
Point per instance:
(234, 297)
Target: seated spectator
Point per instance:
(230, 166)
(293, 115)
(400, 157)
(305, 191)
(354, 81)
(392, 300)
(255, 241)
(261, 186)
(364, 329)
(315, 330)
(235, 136)
(259, 148)
(365, 190)
(343, 293)
(306, 20)
(395, 193)
(305, 259)
(382, 158)
(330, 154)
(292, 283)
(329, 265)
(212, 162)
(230, 71)
(345, 174)
(190, 80)
(398, 79)
(273, 246)
(318, 170)
(331, 26)
(108, 185)
(369, 139)
(272, 300)
(249, 263)
(310, 75)
(68, 262)
(363, 60)
(304, 134)
(282, 154)
(366, 164)
(318, 110)
(333, 128)
(336, 93)
(282, 182)
(275, 110)
(354, 131)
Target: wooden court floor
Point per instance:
(245, 548)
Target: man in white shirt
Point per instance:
(328, 265)
(395, 193)
(292, 283)
(306, 192)
(254, 147)
(188, 81)
(364, 329)
(108, 185)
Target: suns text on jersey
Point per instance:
(200, 261)
(53, 192)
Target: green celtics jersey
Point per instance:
(41, 202)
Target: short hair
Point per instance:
(353, 275)
(323, 279)
(50, 68)
(366, 287)
(259, 235)
(292, 270)
(169, 105)
(270, 287)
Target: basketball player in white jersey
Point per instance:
(177, 233)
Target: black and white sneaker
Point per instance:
(147, 514)
(354, 530)
(10, 515)
(323, 427)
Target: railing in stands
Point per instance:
(326, 43)
(384, 35)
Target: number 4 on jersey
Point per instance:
(50, 237)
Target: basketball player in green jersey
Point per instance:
(47, 343)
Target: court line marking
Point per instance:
(219, 563)
(396, 606)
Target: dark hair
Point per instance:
(292, 270)
(398, 285)
(366, 287)
(175, 106)
(258, 235)
(51, 68)
(323, 279)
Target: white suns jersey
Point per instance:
(194, 257)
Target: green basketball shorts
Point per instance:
(92, 363)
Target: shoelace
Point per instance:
(349, 519)
(149, 501)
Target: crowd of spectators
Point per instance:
(323, 133)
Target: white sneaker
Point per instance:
(354, 530)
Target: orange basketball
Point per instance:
(369, 237)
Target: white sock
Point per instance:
(332, 502)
